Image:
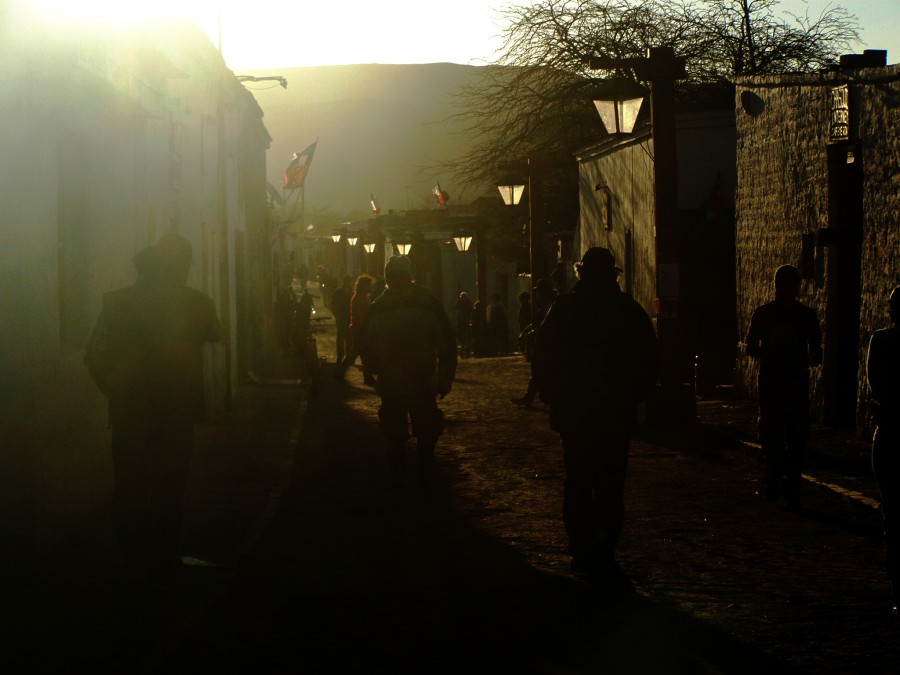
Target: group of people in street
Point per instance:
(594, 358)
(481, 329)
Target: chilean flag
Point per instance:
(295, 174)
(442, 197)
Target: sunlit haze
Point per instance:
(314, 33)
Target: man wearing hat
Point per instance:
(595, 358)
(407, 344)
(145, 354)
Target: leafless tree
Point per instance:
(534, 100)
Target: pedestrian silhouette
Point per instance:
(595, 359)
(784, 336)
(883, 372)
(545, 295)
(524, 317)
(359, 305)
(340, 309)
(407, 343)
(145, 354)
(497, 326)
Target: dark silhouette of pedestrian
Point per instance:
(407, 343)
(303, 275)
(784, 337)
(284, 316)
(340, 309)
(523, 319)
(479, 330)
(145, 354)
(558, 279)
(883, 371)
(359, 305)
(545, 295)
(595, 359)
(302, 341)
(463, 314)
(497, 326)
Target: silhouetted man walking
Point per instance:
(145, 355)
(407, 343)
(595, 358)
(785, 338)
(883, 370)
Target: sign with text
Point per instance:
(840, 113)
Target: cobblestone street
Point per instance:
(298, 560)
(725, 581)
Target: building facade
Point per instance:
(617, 208)
(110, 140)
(818, 160)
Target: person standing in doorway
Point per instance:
(883, 372)
(145, 354)
(595, 359)
(785, 338)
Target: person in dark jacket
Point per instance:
(595, 359)
(145, 354)
(545, 295)
(784, 337)
(340, 309)
(407, 344)
(883, 372)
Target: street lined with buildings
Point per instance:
(298, 559)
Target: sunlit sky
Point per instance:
(282, 34)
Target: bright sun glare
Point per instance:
(122, 12)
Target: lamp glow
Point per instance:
(462, 243)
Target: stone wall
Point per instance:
(783, 139)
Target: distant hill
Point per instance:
(377, 126)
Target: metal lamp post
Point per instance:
(660, 68)
(511, 190)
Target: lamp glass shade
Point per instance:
(619, 115)
(370, 247)
(352, 240)
(335, 238)
(462, 243)
(511, 194)
(402, 249)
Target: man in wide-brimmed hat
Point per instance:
(595, 358)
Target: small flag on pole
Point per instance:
(375, 208)
(442, 197)
(295, 174)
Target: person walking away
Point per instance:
(340, 309)
(407, 343)
(785, 338)
(359, 305)
(463, 311)
(479, 330)
(145, 355)
(595, 359)
(498, 326)
(883, 373)
(545, 295)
